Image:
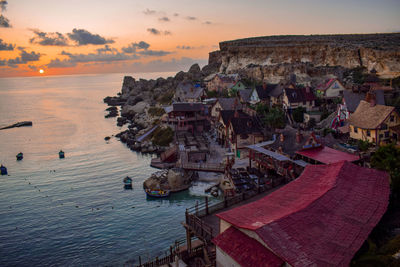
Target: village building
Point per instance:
(222, 103)
(261, 93)
(298, 97)
(374, 123)
(191, 117)
(276, 95)
(350, 103)
(331, 88)
(243, 130)
(320, 219)
(245, 96)
(189, 92)
(324, 155)
(222, 82)
(236, 88)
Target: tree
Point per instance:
(275, 118)
(387, 158)
(298, 114)
(261, 109)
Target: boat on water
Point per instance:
(3, 170)
(127, 182)
(20, 156)
(61, 154)
(157, 193)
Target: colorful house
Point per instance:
(237, 87)
(264, 93)
(223, 103)
(320, 219)
(331, 88)
(374, 123)
(298, 97)
(189, 92)
(222, 82)
(187, 117)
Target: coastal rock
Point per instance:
(172, 179)
(127, 85)
(194, 69)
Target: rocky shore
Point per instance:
(174, 180)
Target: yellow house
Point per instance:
(374, 123)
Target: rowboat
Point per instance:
(157, 193)
(20, 156)
(61, 154)
(128, 182)
(3, 170)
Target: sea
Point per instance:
(75, 211)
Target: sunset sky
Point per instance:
(88, 36)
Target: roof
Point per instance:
(245, 94)
(227, 115)
(269, 153)
(327, 155)
(245, 125)
(290, 145)
(187, 106)
(245, 250)
(188, 90)
(228, 78)
(322, 218)
(275, 91)
(263, 90)
(369, 117)
(299, 95)
(352, 100)
(229, 103)
(325, 85)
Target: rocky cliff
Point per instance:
(275, 58)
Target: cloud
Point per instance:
(50, 38)
(149, 12)
(105, 49)
(3, 5)
(4, 46)
(57, 63)
(191, 18)
(176, 14)
(164, 19)
(158, 53)
(184, 47)
(134, 46)
(24, 58)
(158, 32)
(208, 22)
(4, 22)
(83, 37)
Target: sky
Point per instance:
(127, 36)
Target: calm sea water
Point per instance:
(74, 211)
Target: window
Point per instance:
(392, 118)
(380, 136)
(384, 126)
(368, 133)
(355, 129)
(387, 134)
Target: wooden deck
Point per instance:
(204, 167)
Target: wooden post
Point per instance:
(206, 205)
(197, 207)
(225, 201)
(188, 240)
(140, 261)
(250, 158)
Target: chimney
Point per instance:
(299, 137)
(282, 137)
(280, 150)
(370, 98)
(264, 85)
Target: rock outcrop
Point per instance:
(172, 179)
(274, 57)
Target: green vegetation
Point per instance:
(212, 94)
(325, 114)
(275, 118)
(166, 98)
(387, 158)
(163, 136)
(156, 111)
(261, 109)
(312, 123)
(363, 145)
(298, 114)
(358, 74)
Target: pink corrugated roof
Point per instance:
(327, 155)
(245, 250)
(322, 218)
(324, 86)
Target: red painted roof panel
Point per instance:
(321, 218)
(245, 250)
(327, 155)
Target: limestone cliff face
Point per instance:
(275, 57)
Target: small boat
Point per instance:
(20, 156)
(3, 170)
(128, 182)
(157, 193)
(61, 154)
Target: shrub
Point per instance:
(163, 136)
(156, 111)
(298, 114)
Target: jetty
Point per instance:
(18, 124)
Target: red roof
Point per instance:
(324, 86)
(322, 218)
(245, 250)
(327, 155)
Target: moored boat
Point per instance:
(128, 182)
(3, 170)
(61, 154)
(157, 193)
(20, 156)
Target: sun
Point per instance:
(41, 71)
